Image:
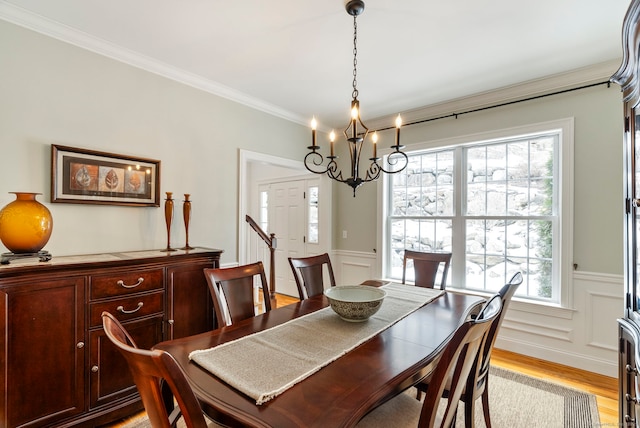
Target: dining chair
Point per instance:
(425, 267)
(232, 291)
(456, 362)
(153, 371)
(309, 274)
(478, 383)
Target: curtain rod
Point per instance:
(455, 115)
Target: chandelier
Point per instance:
(356, 134)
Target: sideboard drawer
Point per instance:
(127, 308)
(125, 282)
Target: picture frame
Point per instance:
(81, 176)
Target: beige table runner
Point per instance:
(265, 364)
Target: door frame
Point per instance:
(244, 193)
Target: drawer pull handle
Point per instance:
(123, 285)
(121, 309)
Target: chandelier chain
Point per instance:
(355, 58)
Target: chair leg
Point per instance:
(169, 405)
(469, 412)
(485, 403)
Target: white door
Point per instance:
(287, 216)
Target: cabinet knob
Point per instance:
(80, 345)
(631, 369)
(170, 321)
(123, 285)
(94, 369)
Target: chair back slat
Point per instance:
(308, 273)
(426, 266)
(232, 291)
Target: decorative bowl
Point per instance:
(355, 303)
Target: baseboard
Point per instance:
(559, 356)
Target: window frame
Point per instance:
(563, 262)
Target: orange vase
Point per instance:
(25, 224)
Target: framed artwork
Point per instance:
(80, 176)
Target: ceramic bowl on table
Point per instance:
(355, 303)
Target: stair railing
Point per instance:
(272, 243)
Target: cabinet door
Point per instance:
(190, 309)
(109, 372)
(43, 351)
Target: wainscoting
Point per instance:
(582, 336)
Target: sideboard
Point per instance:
(57, 367)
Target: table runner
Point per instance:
(267, 363)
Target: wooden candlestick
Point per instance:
(168, 217)
(186, 214)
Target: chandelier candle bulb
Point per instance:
(314, 124)
(374, 138)
(354, 118)
(332, 138)
(398, 125)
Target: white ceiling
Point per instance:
(294, 57)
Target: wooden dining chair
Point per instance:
(153, 371)
(425, 267)
(477, 384)
(309, 274)
(456, 362)
(232, 291)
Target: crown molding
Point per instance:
(547, 85)
(56, 30)
(572, 79)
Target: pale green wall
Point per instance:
(598, 172)
(55, 93)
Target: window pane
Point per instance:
(418, 235)
(313, 215)
(264, 210)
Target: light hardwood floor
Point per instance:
(603, 387)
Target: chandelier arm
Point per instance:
(373, 173)
(393, 159)
(314, 159)
(337, 177)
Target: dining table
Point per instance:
(340, 393)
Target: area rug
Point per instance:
(516, 400)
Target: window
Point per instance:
(496, 204)
(312, 220)
(264, 210)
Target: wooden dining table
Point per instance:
(341, 393)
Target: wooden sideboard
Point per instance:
(57, 367)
